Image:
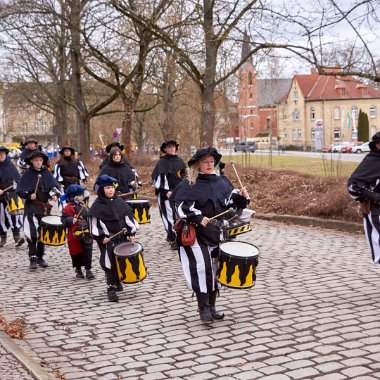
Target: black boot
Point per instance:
(204, 307)
(18, 239)
(111, 293)
(3, 239)
(212, 298)
(33, 262)
(41, 262)
(89, 274)
(79, 273)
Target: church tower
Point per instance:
(248, 109)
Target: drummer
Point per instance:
(109, 215)
(202, 195)
(74, 218)
(9, 177)
(37, 186)
(30, 146)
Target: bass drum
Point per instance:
(141, 210)
(237, 262)
(130, 262)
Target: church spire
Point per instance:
(246, 48)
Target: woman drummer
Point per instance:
(198, 198)
(118, 167)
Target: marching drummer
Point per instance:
(111, 222)
(201, 196)
(37, 186)
(9, 177)
(167, 174)
(29, 146)
(74, 218)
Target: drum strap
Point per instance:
(42, 204)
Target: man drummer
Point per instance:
(30, 146)
(37, 186)
(9, 177)
(111, 222)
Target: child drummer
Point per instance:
(37, 186)
(111, 222)
(74, 218)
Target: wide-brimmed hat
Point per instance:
(75, 190)
(375, 139)
(105, 180)
(203, 152)
(67, 147)
(4, 149)
(169, 142)
(37, 153)
(114, 143)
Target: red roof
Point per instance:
(318, 87)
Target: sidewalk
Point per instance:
(312, 315)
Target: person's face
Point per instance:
(31, 145)
(109, 191)
(206, 165)
(116, 157)
(79, 198)
(37, 162)
(170, 149)
(3, 156)
(67, 152)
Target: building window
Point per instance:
(372, 112)
(250, 78)
(284, 114)
(295, 95)
(312, 113)
(336, 113)
(251, 112)
(294, 134)
(343, 91)
(296, 115)
(313, 134)
(354, 112)
(285, 134)
(36, 125)
(39, 114)
(250, 95)
(336, 133)
(10, 126)
(43, 125)
(299, 135)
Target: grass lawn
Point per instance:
(323, 167)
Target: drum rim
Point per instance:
(128, 243)
(137, 201)
(239, 257)
(57, 217)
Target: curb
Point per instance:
(339, 225)
(30, 365)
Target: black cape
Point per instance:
(368, 171)
(110, 209)
(29, 179)
(8, 173)
(121, 171)
(170, 164)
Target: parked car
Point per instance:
(245, 146)
(326, 148)
(348, 148)
(361, 148)
(337, 147)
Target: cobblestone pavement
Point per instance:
(314, 313)
(10, 368)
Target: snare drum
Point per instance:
(141, 210)
(235, 229)
(52, 231)
(237, 264)
(129, 262)
(15, 206)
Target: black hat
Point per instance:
(67, 147)
(202, 152)
(37, 153)
(375, 139)
(169, 142)
(105, 180)
(30, 139)
(112, 144)
(4, 149)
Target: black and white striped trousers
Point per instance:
(372, 231)
(167, 213)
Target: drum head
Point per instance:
(138, 201)
(239, 249)
(127, 249)
(52, 219)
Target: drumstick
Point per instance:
(10, 187)
(130, 193)
(38, 182)
(224, 212)
(118, 233)
(237, 175)
(77, 216)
